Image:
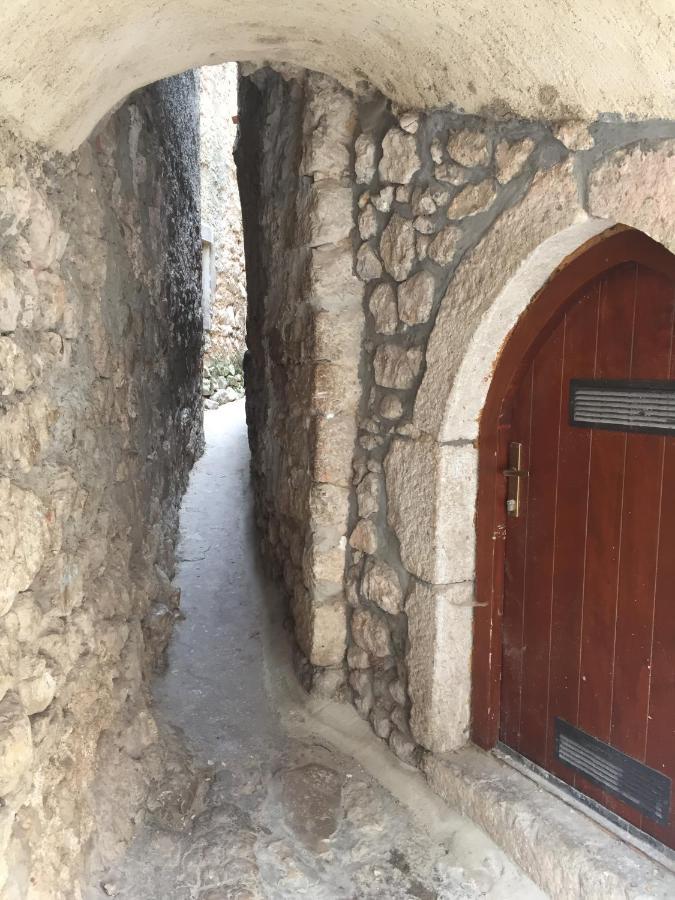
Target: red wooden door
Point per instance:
(588, 640)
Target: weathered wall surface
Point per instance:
(305, 324)
(433, 213)
(100, 337)
(221, 212)
(548, 61)
(449, 208)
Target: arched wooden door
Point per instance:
(583, 465)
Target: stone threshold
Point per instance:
(559, 844)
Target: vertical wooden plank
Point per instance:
(570, 531)
(639, 535)
(641, 514)
(546, 404)
(605, 499)
(659, 721)
(515, 563)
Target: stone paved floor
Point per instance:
(288, 810)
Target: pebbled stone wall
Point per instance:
(449, 208)
(100, 342)
(305, 320)
(377, 243)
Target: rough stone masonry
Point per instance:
(100, 337)
(350, 377)
(378, 241)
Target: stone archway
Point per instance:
(64, 68)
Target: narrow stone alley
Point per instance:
(280, 807)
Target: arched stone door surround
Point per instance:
(491, 288)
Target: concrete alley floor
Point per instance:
(300, 798)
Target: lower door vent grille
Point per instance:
(620, 775)
(647, 406)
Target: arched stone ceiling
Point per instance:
(64, 64)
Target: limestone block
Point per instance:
(550, 206)
(382, 201)
(391, 407)
(367, 222)
(451, 174)
(50, 302)
(383, 307)
(422, 242)
(371, 633)
(397, 247)
(368, 495)
(474, 198)
(16, 745)
(15, 199)
(439, 663)
(357, 658)
(335, 387)
(330, 119)
(361, 681)
(574, 135)
(442, 248)
(18, 371)
(398, 692)
(324, 566)
(365, 158)
(368, 265)
(332, 285)
(399, 160)
(424, 225)
(403, 193)
(423, 203)
(24, 618)
(364, 536)
(635, 187)
(510, 158)
(416, 298)
(321, 631)
(328, 682)
(396, 366)
(329, 212)
(381, 722)
(335, 337)
(10, 302)
(47, 241)
(404, 747)
(381, 586)
(37, 692)
(328, 506)
(24, 539)
(431, 492)
(333, 440)
(410, 122)
(469, 148)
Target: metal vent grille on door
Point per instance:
(647, 406)
(620, 775)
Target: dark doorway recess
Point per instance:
(574, 645)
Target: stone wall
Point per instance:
(448, 208)
(305, 323)
(100, 339)
(435, 214)
(221, 212)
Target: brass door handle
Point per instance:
(514, 479)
